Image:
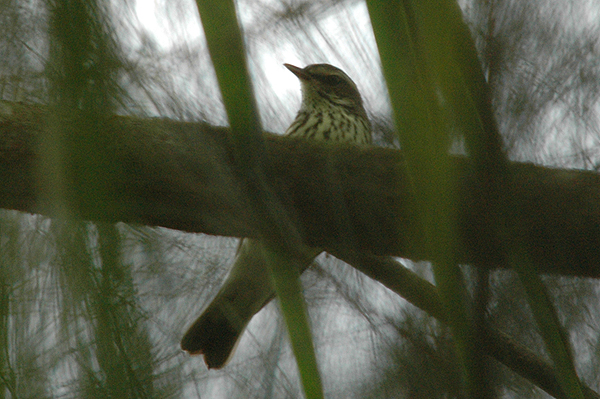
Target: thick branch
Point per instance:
(179, 175)
(496, 344)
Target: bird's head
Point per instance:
(324, 82)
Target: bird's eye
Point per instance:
(331, 80)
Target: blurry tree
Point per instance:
(93, 310)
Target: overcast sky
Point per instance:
(333, 39)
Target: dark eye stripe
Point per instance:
(332, 80)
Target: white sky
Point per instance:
(273, 82)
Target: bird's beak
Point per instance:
(299, 72)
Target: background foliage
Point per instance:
(90, 310)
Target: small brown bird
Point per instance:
(332, 109)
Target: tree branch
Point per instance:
(352, 201)
(497, 344)
(179, 175)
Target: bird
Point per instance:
(332, 110)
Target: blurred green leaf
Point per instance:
(225, 44)
(422, 128)
(438, 72)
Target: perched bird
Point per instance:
(331, 109)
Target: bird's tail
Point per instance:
(245, 291)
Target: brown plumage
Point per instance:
(331, 109)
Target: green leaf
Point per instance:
(434, 78)
(226, 48)
(453, 57)
(285, 276)
(411, 70)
